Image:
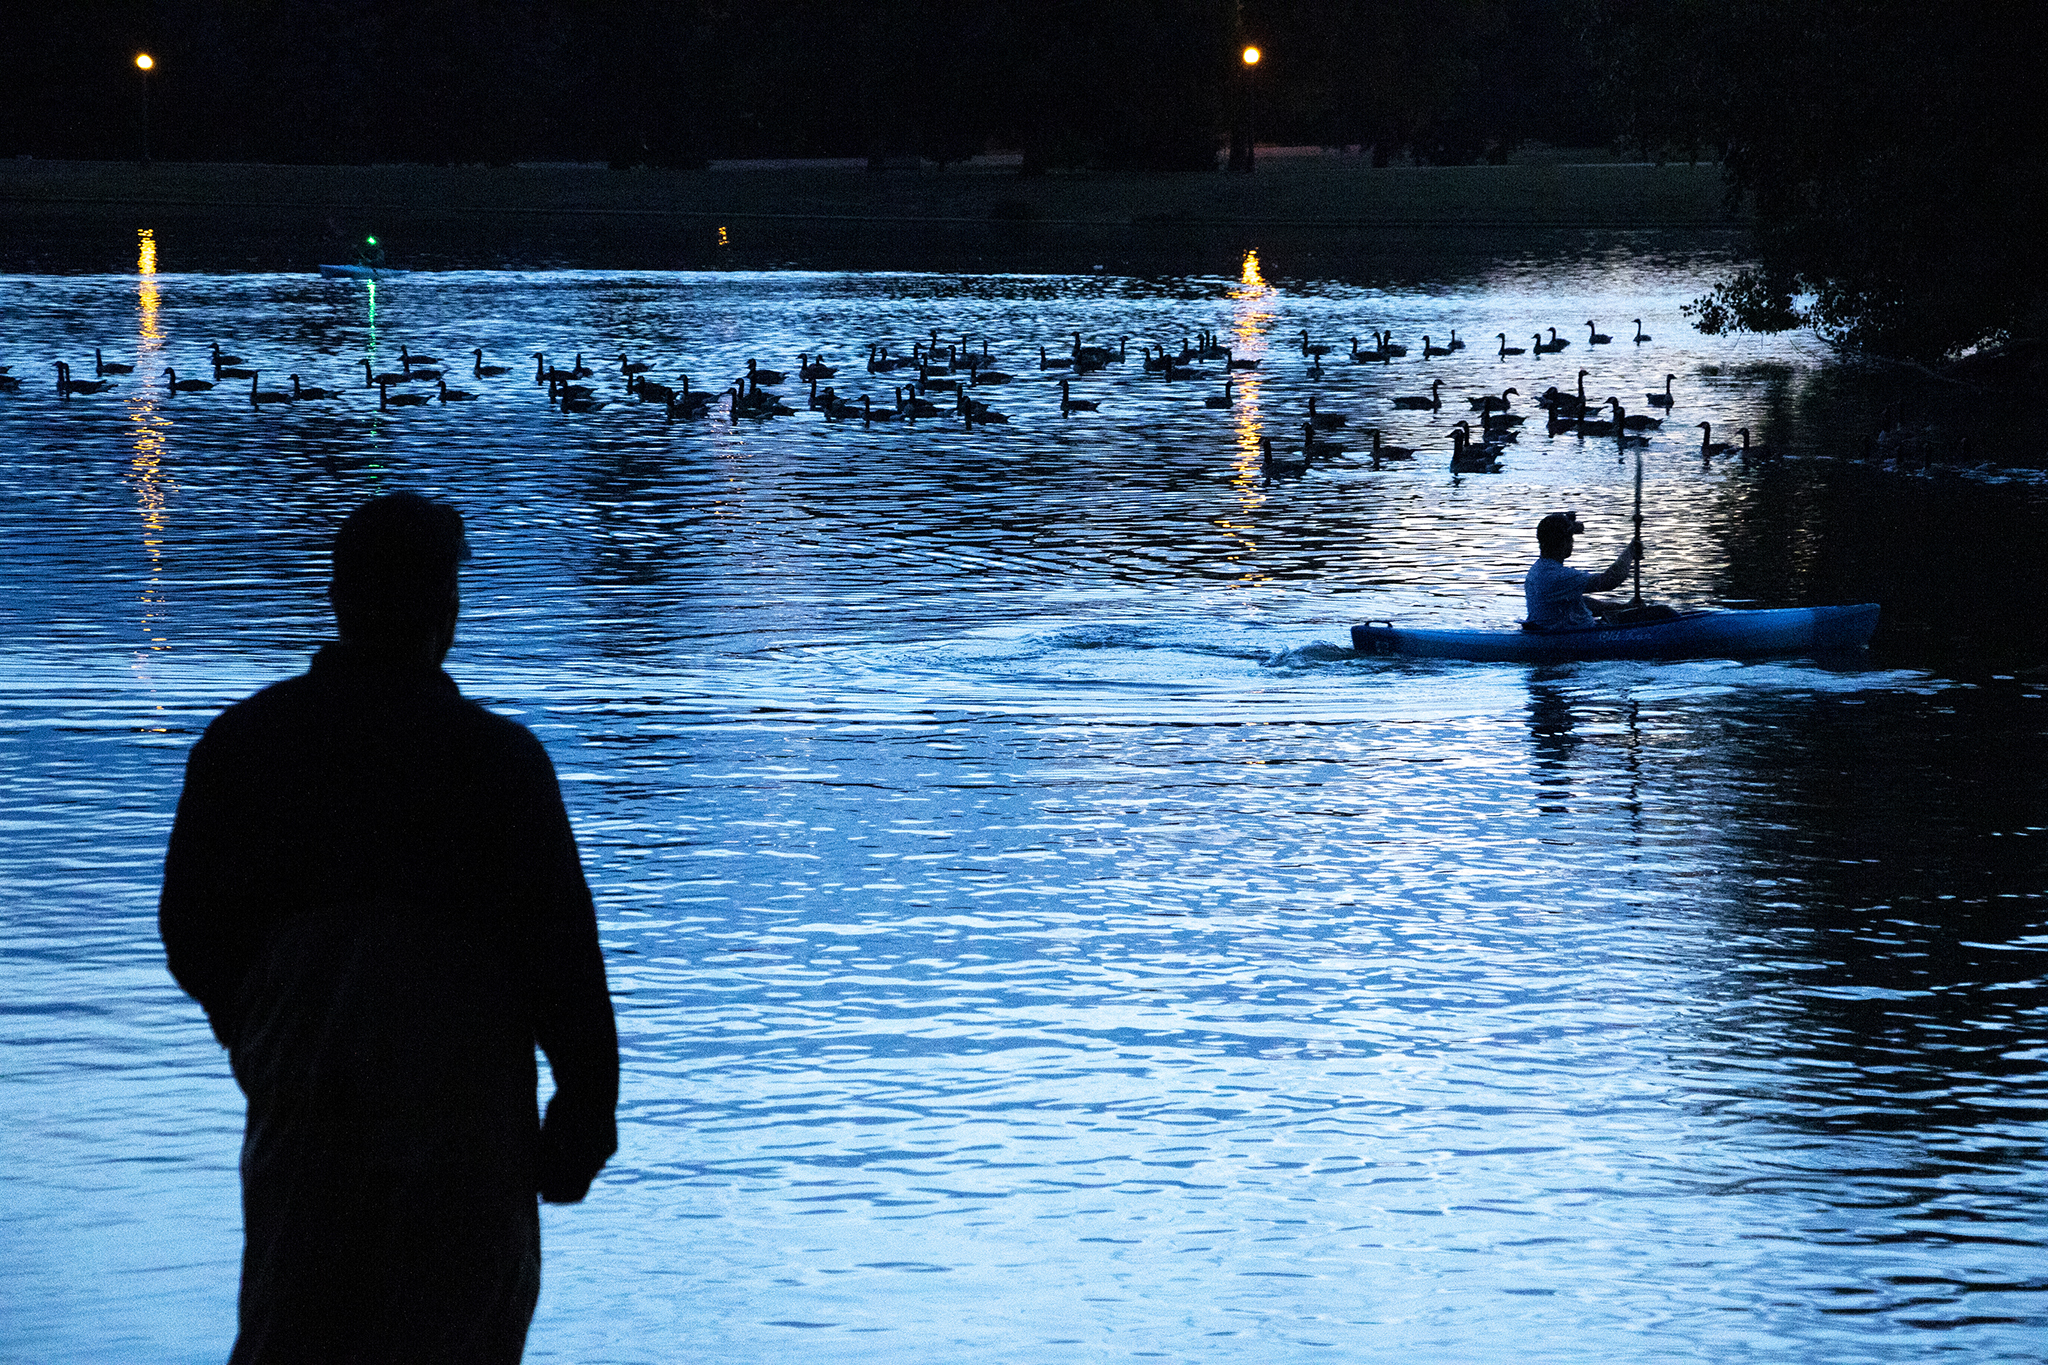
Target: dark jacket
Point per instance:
(373, 890)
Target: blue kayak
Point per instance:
(1686, 635)
(357, 272)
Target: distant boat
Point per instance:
(359, 272)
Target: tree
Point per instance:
(1890, 151)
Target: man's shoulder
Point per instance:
(316, 698)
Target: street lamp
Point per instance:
(1250, 57)
(145, 64)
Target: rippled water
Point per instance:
(1036, 937)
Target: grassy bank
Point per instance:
(1317, 193)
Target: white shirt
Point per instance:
(1557, 595)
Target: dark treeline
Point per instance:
(1890, 151)
(1141, 84)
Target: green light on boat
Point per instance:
(371, 240)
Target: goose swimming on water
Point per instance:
(100, 366)
(1663, 400)
(258, 397)
(178, 385)
(1641, 335)
(1595, 336)
(484, 371)
(1433, 402)
(1505, 349)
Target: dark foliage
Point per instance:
(1890, 150)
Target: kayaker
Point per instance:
(1557, 595)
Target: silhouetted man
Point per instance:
(373, 889)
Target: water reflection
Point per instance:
(151, 430)
(984, 894)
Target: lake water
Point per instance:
(1036, 936)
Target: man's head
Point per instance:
(395, 562)
(1554, 533)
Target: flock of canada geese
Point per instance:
(947, 380)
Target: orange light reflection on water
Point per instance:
(152, 426)
(1251, 315)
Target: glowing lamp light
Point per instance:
(144, 62)
(1251, 56)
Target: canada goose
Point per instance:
(1231, 362)
(1709, 447)
(231, 372)
(1757, 452)
(306, 395)
(911, 405)
(449, 395)
(869, 413)
(687, 404)
(1541, 347)
(221, 357)
(647, 391)
(1594, 426)
(408, 360)
(484, 371)
(1494, 429)
(187, 385)
(1281, 462)
(1381, 451)
(1433, 402)
(103, 367)
(1469, 459)
(258, 397)
(1429, 350)
(416, 372)
(1486, 402)
(1046, 362)
(1310, 446)
(814, 369)
(67, 385)
(1224, 399)
(1641, 335)
(631, 367)
(569, 404)
(1663, 400)
(980, 412)
(1626, 433)
(385, 401)
(1096, 356)
(1557, 343)
(1315, 350)
(1456, 344)
(1387, 346)
(579, 370)
(544, 373)
(1323, 421)
(1594, 336)
(371, 381)
(1361, 357)
(1505, 349)
(976, 375)
(1634, 423)
(1070, 405)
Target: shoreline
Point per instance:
(1309, 194)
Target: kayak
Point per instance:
(1687, 635)
(358, 272)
